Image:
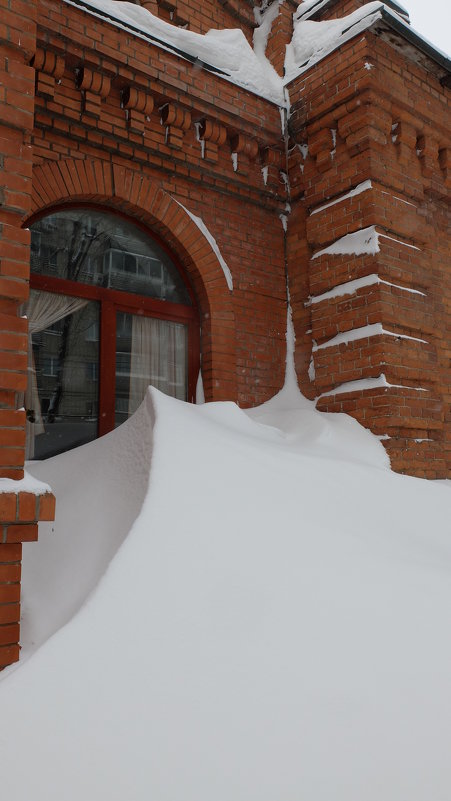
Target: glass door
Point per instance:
(148, 351)
(63, 387)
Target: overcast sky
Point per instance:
(431, 18)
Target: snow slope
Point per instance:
(100, 489)
(274, 626)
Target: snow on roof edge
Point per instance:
(417, 39)
(313, 6)
(359, 21)
(272, 93)
(273, 90)
(364, 21)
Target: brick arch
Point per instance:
(143, 199)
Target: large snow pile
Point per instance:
(274, 626)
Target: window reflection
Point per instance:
(101, 249)
(62, 394)
(78, 256)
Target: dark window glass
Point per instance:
(62, 396)
(102, 249)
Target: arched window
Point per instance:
(109, 313)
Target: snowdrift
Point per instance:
(100, 488)
(274, 626)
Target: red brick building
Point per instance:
(159, 195)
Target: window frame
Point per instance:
(112, 301)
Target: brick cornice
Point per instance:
(163, 120)
(160, 72)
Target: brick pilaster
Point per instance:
(280, 35)
(17, 81)
(19, 516)
(377, 315)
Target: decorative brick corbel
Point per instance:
(138, 107)
(49, 70)
(245, 150)
(242, 11)
(365, 127)
(444, 160)
(181, 22)
(295, 171)
(95, 87)
(150, 5)
(212, 135)
(177, 120)
(427, 152)
(297, 121)
(404, 137)
(322, 147)
(272, 161)
(167, 10)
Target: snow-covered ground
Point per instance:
(244, 605)
(231, 605)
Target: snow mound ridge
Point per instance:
(100, 488)
(269, 629)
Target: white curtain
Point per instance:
(158, 357)
(43, 310)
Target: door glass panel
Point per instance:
(102, 249)
(148, 351)
(63, 374)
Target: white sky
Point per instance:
(431, 18)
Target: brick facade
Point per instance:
(93, 113)
(201, 17)
(362, 134)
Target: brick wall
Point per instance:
(201, 17)
(113, 113)
(19, 511)
(373, 165)
(280, 35)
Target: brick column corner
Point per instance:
(20, 513)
